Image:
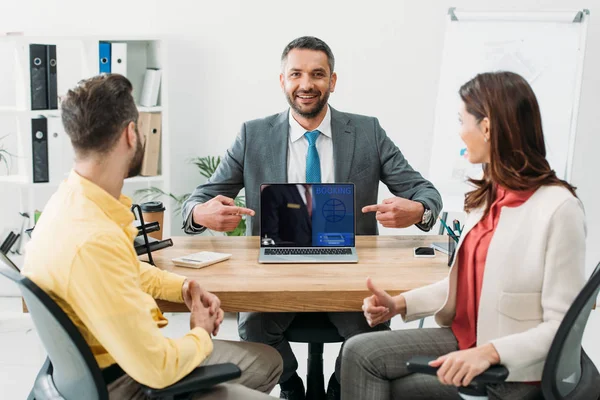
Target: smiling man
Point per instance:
(311, 143)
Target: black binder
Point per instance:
(52, 85)
(39, 76)
(39, 148)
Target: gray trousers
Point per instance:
(268, 328)
(374, 367)
(261, 367)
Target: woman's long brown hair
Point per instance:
(517, 149)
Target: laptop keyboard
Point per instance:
(321, 251)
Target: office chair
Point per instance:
(71, 372)
(568, 371)
(315, 329)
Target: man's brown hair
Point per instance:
(96, 111)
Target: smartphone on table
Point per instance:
(424, 252)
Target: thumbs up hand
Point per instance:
(380, 306)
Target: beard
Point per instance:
(135, 166)
(312, 112)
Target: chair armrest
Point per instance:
(494, 374)
(43, 386)
(199, 379)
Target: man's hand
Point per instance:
(200, 316)
(191, 286)
(379, 307)
(193, 293)
(397, 212)
(219, 214)
(460, 367)
(186, 293)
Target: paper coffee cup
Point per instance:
(154, 211)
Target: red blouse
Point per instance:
(471, 264)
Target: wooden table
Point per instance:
(243, 284)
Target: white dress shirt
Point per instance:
(296, 161)
(302, 191)
(298, 148)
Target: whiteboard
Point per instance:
(546, 48)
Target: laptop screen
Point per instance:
(307, 215)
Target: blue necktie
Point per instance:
(313, 164)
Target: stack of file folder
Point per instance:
(43, 76)
(150, 126)
(112, 58)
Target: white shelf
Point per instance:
(44, 184)
(144, 179)
(21, 111)
(78, 59)
(24, 182)
(20, 179)
(150, 109)
(8, 110)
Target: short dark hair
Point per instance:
(310, 43)
(96, 111)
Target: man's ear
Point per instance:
(332, 82)
(131, 135)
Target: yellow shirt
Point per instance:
(82, 255)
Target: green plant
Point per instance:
(5, 156)
(206, 167)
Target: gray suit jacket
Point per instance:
(362, 154)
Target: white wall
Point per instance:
(224, 66)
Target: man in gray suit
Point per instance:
(311, 142)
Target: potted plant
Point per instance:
(206, 167)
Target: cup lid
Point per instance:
(152, 206)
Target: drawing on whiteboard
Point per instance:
(508, 56)
(513, 63)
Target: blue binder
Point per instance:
(104, 59)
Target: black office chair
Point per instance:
(70, 371)
(568, 371)
(314, 329)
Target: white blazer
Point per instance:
(534, 269)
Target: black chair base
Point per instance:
(314, 329)
(315, 383)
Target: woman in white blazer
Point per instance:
(518, 266)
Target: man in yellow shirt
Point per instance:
(82, 255)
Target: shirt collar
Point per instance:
(297, 131)
(117, 210)
(506, 194)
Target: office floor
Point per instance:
(22, 354)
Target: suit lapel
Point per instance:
(343, 135)
(278, 147)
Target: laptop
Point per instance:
(307, 223)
